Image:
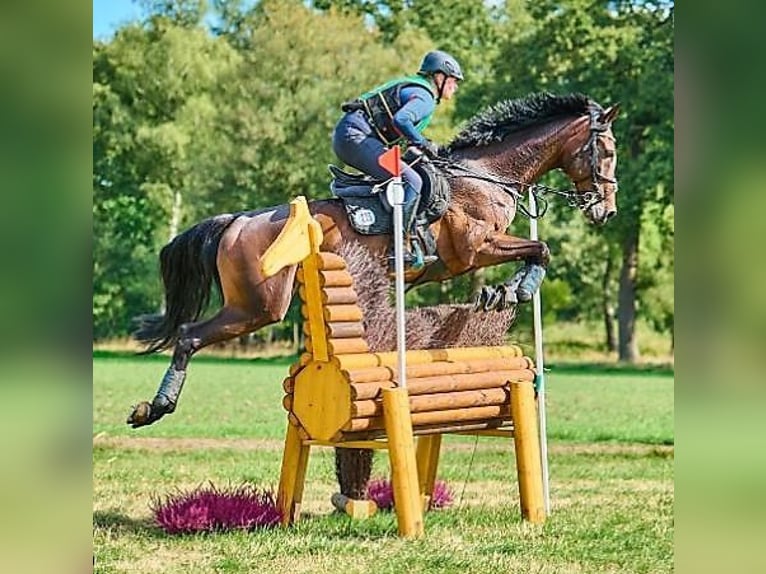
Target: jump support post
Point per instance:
(340, 394)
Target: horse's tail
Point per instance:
(188, 269)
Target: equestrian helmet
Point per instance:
(438, 61)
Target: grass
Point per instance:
(611, 464)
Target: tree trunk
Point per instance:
(175, 215)
(607, 306)
(628, 346)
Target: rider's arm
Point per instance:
(418, 104)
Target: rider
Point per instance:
(393, 113)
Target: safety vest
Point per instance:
(382, 103)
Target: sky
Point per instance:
(108, 15)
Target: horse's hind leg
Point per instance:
(226, 324)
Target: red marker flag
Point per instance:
(390, 161)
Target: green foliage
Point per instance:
(614, 52)
(191, 120)
(610, 461)
(284, 99)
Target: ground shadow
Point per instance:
(125, 524)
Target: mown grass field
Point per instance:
(610, 436)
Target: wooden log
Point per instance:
(313, 307)
(372, 374)
(345, 330)
(333, 295)
(347, 346)
(458, 354)
(342, 313)
(404, 470)
(443, 384)
(287, 403)
(303, 360)
(330, 261)
(342, 346)
(450, 416)
(295, 459)
(436, 402)
(329, 278)
(527, 446)
(459, 427)
(336, 313)
(454, 383)
(341, 330)
(294, 421)
(356, 509)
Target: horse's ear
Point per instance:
(610, 113)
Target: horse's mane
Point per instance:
(496, 122)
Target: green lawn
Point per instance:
(611, 464)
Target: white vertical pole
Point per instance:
(395, 196)
(539, 367)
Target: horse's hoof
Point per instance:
(493, 299)
(524, 295)
(531, 283)
(480, 300)
(141, 415)
(509, 300)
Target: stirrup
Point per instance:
(412, 261)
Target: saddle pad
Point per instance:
(367, 215)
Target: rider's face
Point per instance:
(450, 85)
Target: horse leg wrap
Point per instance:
(167, 395)
(531, 282)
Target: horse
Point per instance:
(493, 161)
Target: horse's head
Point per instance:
(590, 161)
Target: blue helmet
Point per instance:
(438, 61)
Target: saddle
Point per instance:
(369, 212)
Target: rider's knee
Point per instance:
(545, 253)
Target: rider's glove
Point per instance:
(430, 149)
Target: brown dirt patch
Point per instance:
(168, 444)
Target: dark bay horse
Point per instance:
(494, 160)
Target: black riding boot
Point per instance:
(412, 254)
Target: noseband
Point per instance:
(586, 199)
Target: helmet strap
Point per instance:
(439, 88)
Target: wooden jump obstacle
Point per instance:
(340, 394)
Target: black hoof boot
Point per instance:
(145, 414)
(530, 283)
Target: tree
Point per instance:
(284, 98)
(613, 51)
(155, 153)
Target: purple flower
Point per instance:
(441, 496)
(382, 493)
(209, 509)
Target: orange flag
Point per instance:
(390, 161)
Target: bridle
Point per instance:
(582, 200)
(598, 129)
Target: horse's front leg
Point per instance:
(502, 248)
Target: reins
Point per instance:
(516, 188)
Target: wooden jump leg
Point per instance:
(427, 457)
(527, 445)
(293, 476)
(404, 470)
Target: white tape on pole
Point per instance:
(395, 196)
(540, 368)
